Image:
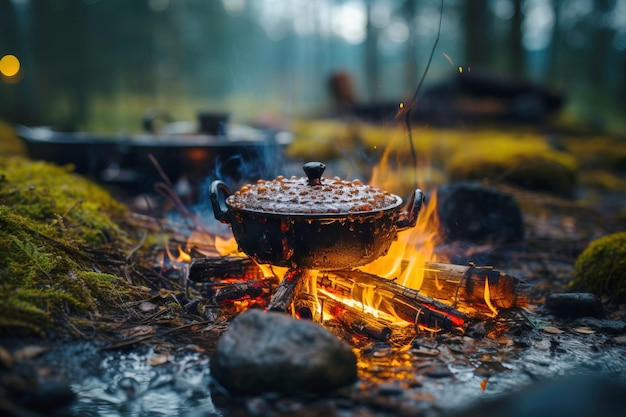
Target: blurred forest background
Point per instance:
(100, 64)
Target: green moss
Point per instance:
(329, 139)
(48, 218)
(55, 196)
(10, 144)
(602, 180)
(525, 160)
(521, 157)
(324, 139)
(601, 267)
(598, 152)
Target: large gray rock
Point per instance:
(472, 212)
(273, 352)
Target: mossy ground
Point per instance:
(550, 163)
(52, 224)
(601, 268)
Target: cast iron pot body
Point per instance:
(321, 241)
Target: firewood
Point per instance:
(464, 286)
(357, 321)
(443, 285)
(216, 268)
(305, 306)
(391, 298)
(291, 285)
(221, 293)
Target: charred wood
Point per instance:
(306, 307)
(291, 285)
(222, 293)
(218, 268)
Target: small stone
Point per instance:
(273, 352)
(604, 326)
(574, 305)
(390, 389)
(439, 371)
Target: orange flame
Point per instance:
(488, 298)
(405, 260)
(182, 255)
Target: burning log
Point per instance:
(306, 307)
(356, 320)
(392, 298)
(445, 289)
(464, 286)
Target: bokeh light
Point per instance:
(9, 66)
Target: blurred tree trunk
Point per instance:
(518, 64)
(622, 80)
(372, 63)
(410, 11)
(477, 46)
(61, 55)
(555, 46)
(601, 41)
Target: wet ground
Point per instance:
(432, 376)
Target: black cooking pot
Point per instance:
(314, 240)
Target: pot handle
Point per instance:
(218, 193)
(409, 217)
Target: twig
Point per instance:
(150, 336)
(407, 113)
(162, 173)
(130, 255)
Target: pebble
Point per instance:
(574, 305)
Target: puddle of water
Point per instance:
(142, 383)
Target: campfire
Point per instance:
(371, 277)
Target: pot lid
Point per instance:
(312, 194)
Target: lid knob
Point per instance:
(314, 171)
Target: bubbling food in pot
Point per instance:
(295, 195)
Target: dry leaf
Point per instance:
(29, 352)
(138, 331)
(552, 329)
(483, 384)
(160, 359)
(584, 330)
(6, 359)
(146, 306)
(621, 340)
